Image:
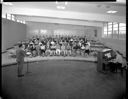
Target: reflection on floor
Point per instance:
(61, 80)
(7, 60)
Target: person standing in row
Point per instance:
(20, 54)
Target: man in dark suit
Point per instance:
(20, 54)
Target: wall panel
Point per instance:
(12, 32)
(35, 28)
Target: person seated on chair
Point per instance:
(65, 44)
(74, 49)
(58, 49)
(118, 61)
(48, 51)
(30, 48)
(53, 48)
(79, 44)
(52, 42)
(40, 43)
(82, 50)
(34, 50)
(71, 42)
(78, 47)
(38, 49)
(28, 51)
(87, 48)
(69, 50)
(63, 50)
(42, 49)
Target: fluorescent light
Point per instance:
(7, 3)
(56, 2)
(111, 11)
(66, 3)
(60, 7)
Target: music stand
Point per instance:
(28, 67)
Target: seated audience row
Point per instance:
(56, 46)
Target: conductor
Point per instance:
(20, 54)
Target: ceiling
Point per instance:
(82, 7)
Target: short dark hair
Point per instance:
(20, 45)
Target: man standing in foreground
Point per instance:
(20, 54)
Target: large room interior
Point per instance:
(72, 74)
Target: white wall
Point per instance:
(59, 20)
(12, 32)
(33, 28)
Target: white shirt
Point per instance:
(88, 43)
(83, 47)
(52, 43)
(119, 58)
(42, 47)
(40, 43)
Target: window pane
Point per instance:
(122, 36)
(115, 25)
(109, 29)
(122, 28)
(110, 34)
(115, 33)
(110, 23)
(9, 16)
(122, 24)
(105, 35)
(13, 18)
(105, 28)
(115, 28)
(122, 32)
(105, 32)
(110, 26)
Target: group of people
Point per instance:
(64, 46)
(56, 46)
(44, 46)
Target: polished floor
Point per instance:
(7, 60)
(61, 79)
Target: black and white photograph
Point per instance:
(64, 50)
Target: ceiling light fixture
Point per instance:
(60, 7)
(56, 2)
(111, 11)
(66, 3)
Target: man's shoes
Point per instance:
(20, 75)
